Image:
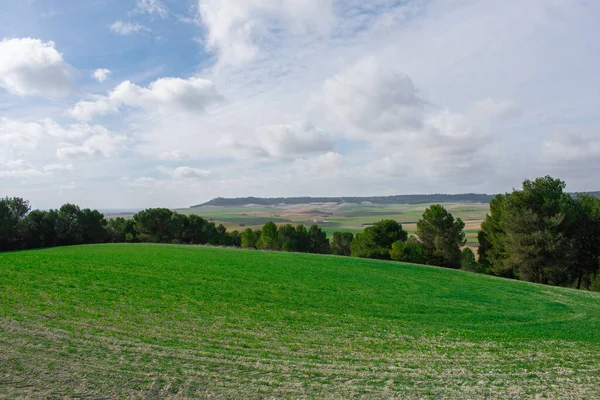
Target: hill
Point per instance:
(400, 199)
(163, 321)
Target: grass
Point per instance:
(160, 321)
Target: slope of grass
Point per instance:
(186, 322)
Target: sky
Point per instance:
(148, 103)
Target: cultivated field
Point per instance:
(162, 321)
(334, 217)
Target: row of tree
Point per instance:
(539, 234)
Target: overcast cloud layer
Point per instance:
(143, 103)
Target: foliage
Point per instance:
(441, 237)
(376, 241)
(468, 262)
(249, 238)
(269, 238)
(318, 242)
(341, 243)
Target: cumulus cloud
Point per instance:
(374, 99)
(101, 74)
(281, 142)
(127, 28)
(88, 110)
(30, 67)
(236, 27)
(101, 144)
(164, 94)
(185, 172)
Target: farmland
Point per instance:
(334, 217)
(167, 321)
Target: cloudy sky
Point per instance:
(138, 103)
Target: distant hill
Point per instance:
(399, 199)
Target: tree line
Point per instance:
(538, 233)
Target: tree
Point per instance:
(583, 235)
(492, 239)
(12, 212)
(93, 226)
(397, 251)
(535, 221)
(287, 237)
(302, 240)
(341, 242)
(249, 239)
(222, 238)
(441, 236)
(376, 241)
(178, 228)
(39, 229)
(235, 238)
(269, 238)
(153, 225)
(468, 261)
(413, 251)
(317, 240)
(68, 225)
(197, 230)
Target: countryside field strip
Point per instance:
(185, 322)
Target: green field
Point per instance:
(163, 321)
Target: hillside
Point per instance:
(167, 321)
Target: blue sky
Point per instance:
(138, 103)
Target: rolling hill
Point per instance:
(168, 321)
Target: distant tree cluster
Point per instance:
(539, 234)
(287, 238)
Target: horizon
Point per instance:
(160, 103)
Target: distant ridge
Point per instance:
(398, 199)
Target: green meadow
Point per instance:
(168, 321)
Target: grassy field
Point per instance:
(160, 321)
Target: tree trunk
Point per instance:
(579, 279)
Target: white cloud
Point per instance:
(572, 145)
(281, 142)
(175, 155)
(88, 110)
(127, 28)
(58, 167)
(103, 144)
(237, 27)
(101, 74)
(30, 67)
(374, 99)
(152, 7)
(185, 172)
(19, 134)
(165, 94)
